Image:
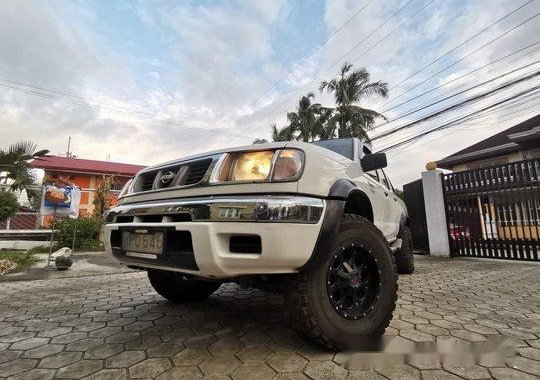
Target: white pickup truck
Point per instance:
(318, 221)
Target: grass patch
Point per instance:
(40, 249)
(23, 259)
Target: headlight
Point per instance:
(253, 166)
(126, 189)
(259, 166)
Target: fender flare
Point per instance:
(335, 207)
(341, 189)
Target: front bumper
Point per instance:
(222, 237)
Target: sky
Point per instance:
(144, 82)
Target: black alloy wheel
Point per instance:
(353, 281)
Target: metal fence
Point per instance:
(495, 212)
(23, 221)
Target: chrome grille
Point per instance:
(196, 171)
(189, 173)
(147, 181)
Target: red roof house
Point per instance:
(86, 174)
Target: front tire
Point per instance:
(349, 297)
(176, 288)
(405, 257)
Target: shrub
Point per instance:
(87, 237)
(8, 204)
(15, 261)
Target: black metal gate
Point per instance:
(414, 200)
(494, 212)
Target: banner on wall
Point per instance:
(62, 200)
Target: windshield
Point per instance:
(345, 147)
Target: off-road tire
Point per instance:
(174, 287)
(309, 302)
(404, 256)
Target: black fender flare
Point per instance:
(335, 208)
(341, 189)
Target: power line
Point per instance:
(448, 124)
(118, 110)
(465, 75)
(504, 120)
(457, 105)
(319, 47)
(464, 57)
(510, 103)
(413, 111)
(482, 117)
(461, 44)
(376, 29)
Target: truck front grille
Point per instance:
(196, 172)
(189, 173)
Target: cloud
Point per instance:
(165, 79)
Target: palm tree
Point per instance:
(305, 120)
(15, 164)
(351, 120)
(283, 134)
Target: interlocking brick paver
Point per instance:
(219, 365)
(181, 373)
(525, 364)
(116, 326)
(191, 356)
(43, 351)
(17, 366)
(104, 351)
(60, 360)
(125, 359)
(510, 374)
(253, 371)
(107, 374)
(149, 368)
(34, 374)
(79, 369)
(287, 363)
(254, 354)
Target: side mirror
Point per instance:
(373, 161)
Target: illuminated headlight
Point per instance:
(259, 166)
(126, 189)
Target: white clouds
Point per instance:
(218, 57)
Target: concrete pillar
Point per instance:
(435, 213)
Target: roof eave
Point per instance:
(450, 162)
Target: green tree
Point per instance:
(349, 119)
(15, 164)
(8, 204)
(306, 121)
(283, 134)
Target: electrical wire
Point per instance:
(306, 58)
(453, 122)
(413, 111)
(376, 29)
(458, 105)
(464, 57)
(466, 74)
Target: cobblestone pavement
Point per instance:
(116, 327)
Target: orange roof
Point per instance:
(69, 164)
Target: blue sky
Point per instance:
(146, 81)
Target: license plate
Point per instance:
(143, 241)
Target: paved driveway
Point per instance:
(115, 326)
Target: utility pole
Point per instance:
(68, 153)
